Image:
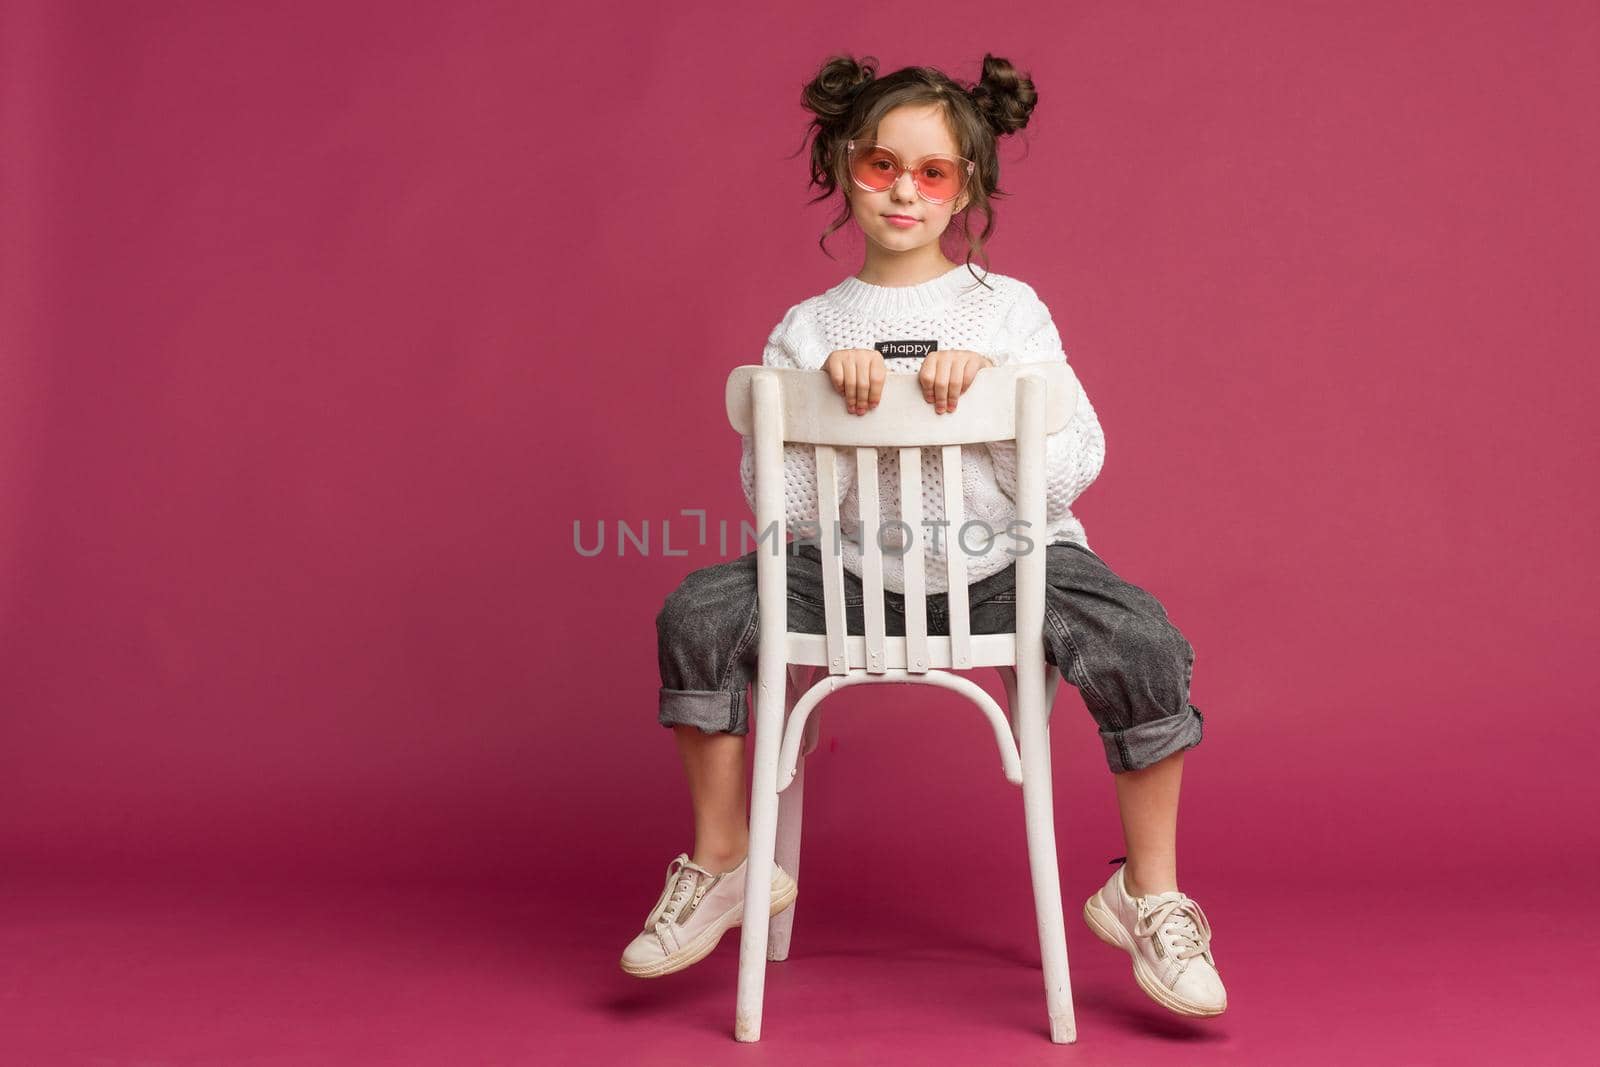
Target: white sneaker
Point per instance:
(1169, 939)
(696, 908)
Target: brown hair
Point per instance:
(848, 101)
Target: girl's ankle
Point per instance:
(1137, 890)
(720, 860)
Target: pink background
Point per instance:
(321, 324)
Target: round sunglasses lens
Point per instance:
(939, 178)
(874, 168)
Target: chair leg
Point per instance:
(1038, 813)
(791, 806)
(770, 694)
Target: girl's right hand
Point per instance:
(858, 375)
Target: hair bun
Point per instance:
(830, 94)
(1004, 96)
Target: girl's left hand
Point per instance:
(947, 373)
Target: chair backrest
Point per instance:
(777, 406)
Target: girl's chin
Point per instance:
(901, 248)
(904, 240)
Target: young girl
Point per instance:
(913, 154)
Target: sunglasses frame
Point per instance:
(851, 148)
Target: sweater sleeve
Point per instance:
(794, 345)
(1075, 453)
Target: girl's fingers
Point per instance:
(936, 365)
(859, 378)
(971, 372)
(958, 376)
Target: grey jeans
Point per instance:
(1111, 639)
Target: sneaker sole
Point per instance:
(1106, 927)
(700, 947)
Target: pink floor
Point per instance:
(176, 974)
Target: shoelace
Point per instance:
(1188, 923)
(1182, 917)
(683, 885)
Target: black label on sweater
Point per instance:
(906, 349)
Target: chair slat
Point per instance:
(832, 563)
(988, 650)
(913, 573)
(956, 561)
(871, 557)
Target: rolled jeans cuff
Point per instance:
(1139, 746)
(714, 711)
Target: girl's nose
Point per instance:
(905, 188)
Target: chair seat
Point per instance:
(988, 650)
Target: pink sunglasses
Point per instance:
(938, 179)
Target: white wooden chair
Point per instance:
(797, 671)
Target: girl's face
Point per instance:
(913, 133)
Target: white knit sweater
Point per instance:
(1006, 322)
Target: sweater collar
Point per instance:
(887, 301)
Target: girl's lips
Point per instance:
(901, 221)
